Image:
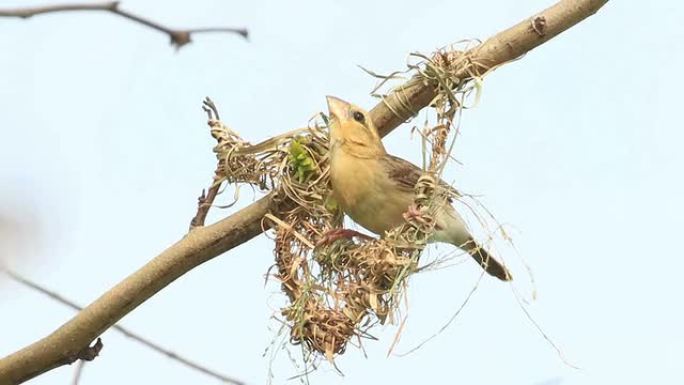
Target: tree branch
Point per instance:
(499, 49)
(205, 243)
(134, 336)
(179, 37)
(191, 251)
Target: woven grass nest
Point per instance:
(337, 292)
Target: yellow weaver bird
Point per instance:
(376, 189)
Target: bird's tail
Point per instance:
(454, 231)
(488, 263)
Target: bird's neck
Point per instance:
(358, 149)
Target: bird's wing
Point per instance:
(406, 174)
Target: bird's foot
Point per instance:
(335, 234)
(416, 215)
(413, 213)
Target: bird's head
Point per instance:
(352, 129)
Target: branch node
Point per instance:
(539, 25)
(88, 353)
(179, 38)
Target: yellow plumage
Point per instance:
(375, 188)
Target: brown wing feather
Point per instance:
(406, 174)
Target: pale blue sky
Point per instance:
(577, 147)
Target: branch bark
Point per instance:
(205, 243)
(179, 37)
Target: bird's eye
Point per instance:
(358, 116)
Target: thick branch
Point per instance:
(205, 243)
(503, 47)
(132, 335)
(194, 249)
(179, 37)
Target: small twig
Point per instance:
(210, 108)
(205, 201)
(87, 353)
(179, 37)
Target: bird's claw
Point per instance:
(413, 212)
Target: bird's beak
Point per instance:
(337, 108)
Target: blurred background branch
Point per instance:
(126, 332)
(179, 37)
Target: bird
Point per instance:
(375, 189)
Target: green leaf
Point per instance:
(300, 160)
